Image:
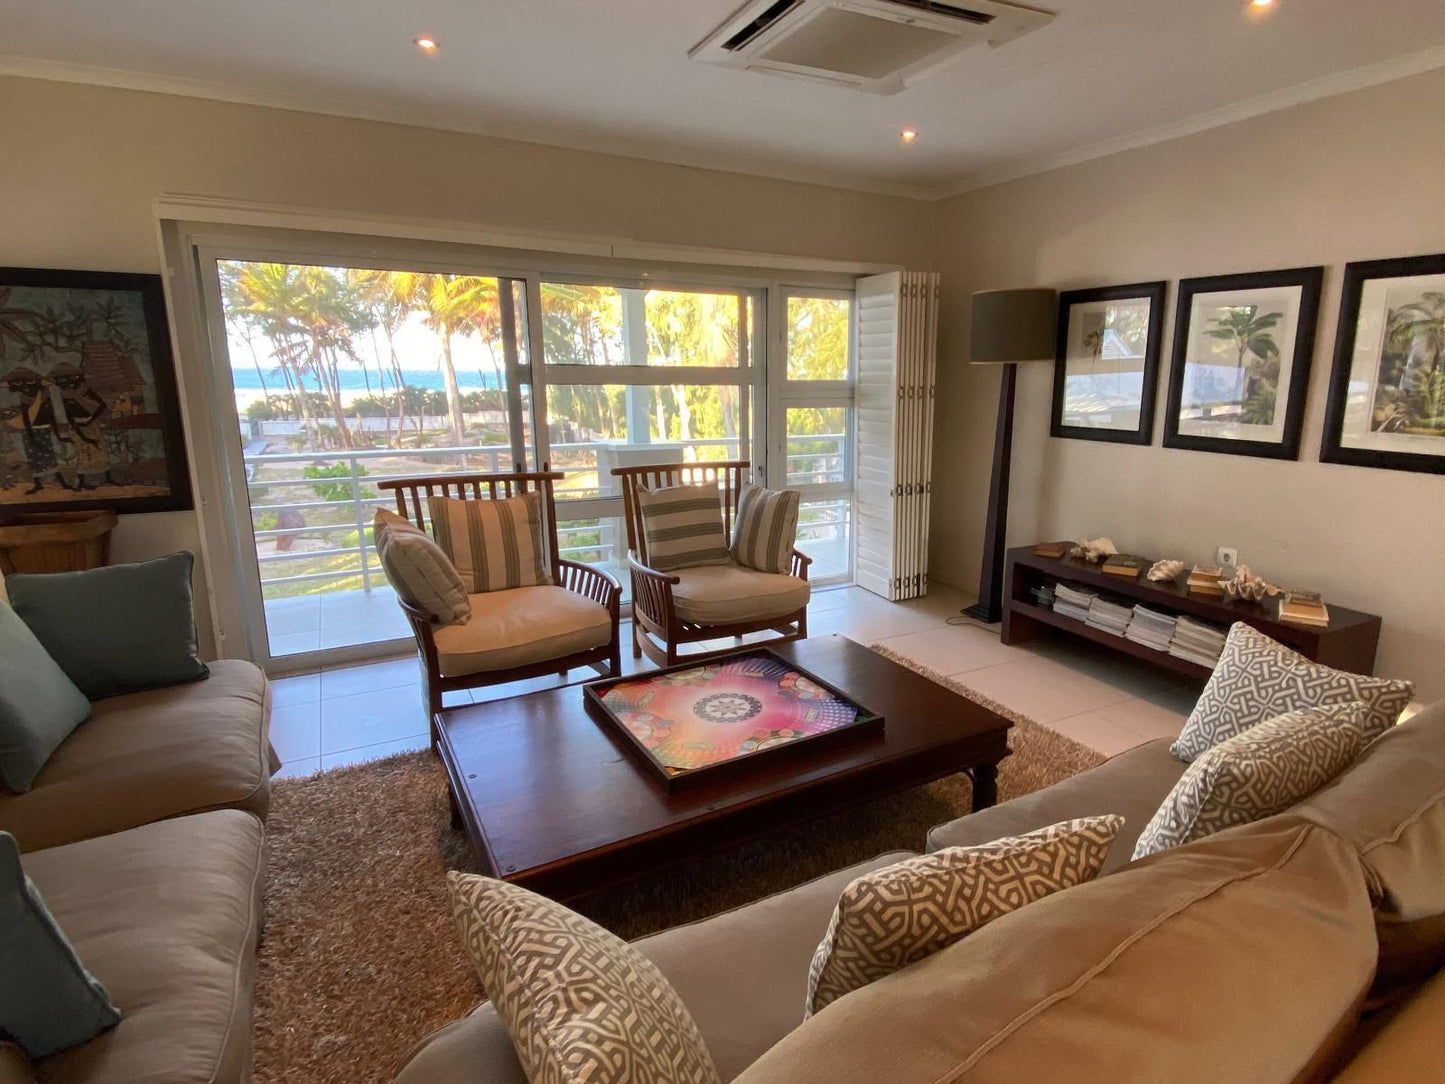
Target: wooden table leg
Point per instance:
(985, 785)
(456, 808)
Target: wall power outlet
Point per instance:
(1227, 555)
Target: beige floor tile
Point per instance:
(375, 752)
(292, 769)
(1142, 717)
(299, 689)
(1100, 735)
(870, 621)
(1044, 690)
(350, 722)
(369, 678)
(296, 730)
(953, 649)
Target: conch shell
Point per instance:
(1162, 571)
(1094, 550)
(1246, 585)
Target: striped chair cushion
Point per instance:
(766, 528)
(683, 526)
(418, 570)
(496, 545)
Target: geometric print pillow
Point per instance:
(1254, 775)
(898, 915)
(1258, 678)
(580, 1004)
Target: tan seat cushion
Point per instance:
(1243, 957)
(148, 756)
(165, 916)
(742, 975)
(1409, 1047)
(521, 626)
(728, 594)
(1391, 806)
(1132, 784)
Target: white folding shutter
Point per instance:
(897, 318)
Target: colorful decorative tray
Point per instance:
(687, 722)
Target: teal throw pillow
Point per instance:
(118, 629)
(48, 1000)
(39, 705)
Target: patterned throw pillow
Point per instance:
(898, 915)
(684, 527)
(765, 528)
(1254, 775)
(1257, 678)
(580, 1004)
(495, 545)
(419, 570)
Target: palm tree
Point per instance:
(1248, 331)
(1419, 329)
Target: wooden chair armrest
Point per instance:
(590, 582)
(640, 569)
(801, 561)
(652, 591)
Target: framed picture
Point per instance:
(89, 416)
(1241, 368)
(1387, 388)
(1106, 365)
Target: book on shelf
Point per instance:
(1304, 608)
(1204, 580)
(1051, 549)
(1123, 564)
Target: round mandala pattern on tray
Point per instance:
(732, 707)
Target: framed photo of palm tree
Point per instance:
(1106, 367)
(1387, 388)
(1241, 368)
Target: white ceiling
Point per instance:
(614, 75)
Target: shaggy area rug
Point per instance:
(359, 958)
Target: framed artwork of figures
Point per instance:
(1106, 365)
(1387, 388)
(1241, 366)
(89, 416)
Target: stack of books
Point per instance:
(1122, 564)
(1073, 601)
(1204, 580)
(1197, 642)
(1109, 616)
(1052, 549)
(1304, 608)
(1151, 628)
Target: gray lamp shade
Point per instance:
(1013, 325)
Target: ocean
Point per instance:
(352, 380)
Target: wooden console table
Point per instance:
(1348, 643)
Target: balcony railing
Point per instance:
(338, 506)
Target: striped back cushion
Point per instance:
(419, 571)
(765, 529)
(684, 527)
(496, 545)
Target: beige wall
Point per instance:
(1348, 178)
(82, 165)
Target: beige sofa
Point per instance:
(1305, 947)
(144, 834)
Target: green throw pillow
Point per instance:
(48, 1001)
(39, 705)
(118, 629)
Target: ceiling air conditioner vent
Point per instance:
(881, 46)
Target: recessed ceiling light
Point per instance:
(1261, 3)
(908, 135)
(427, 44)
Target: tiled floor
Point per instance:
(1108, 702)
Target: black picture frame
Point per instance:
(1154, 293)
(1310, 280)
(867, 722)
(1332, 446)
(111, 369)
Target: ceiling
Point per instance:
(613, 75)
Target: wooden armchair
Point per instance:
(456, 657)
(691, 605)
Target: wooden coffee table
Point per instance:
(554, 801)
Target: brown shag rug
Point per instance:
(359, 958)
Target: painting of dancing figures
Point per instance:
(89, 416)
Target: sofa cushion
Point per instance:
(495, 545)
(419, 570)
(1258, 678)
(151, 755)
(1391, 806)
(519, 627)
(1408, 1047)
(726, 594)
(118, 629)
(1242, 957)
(39, 705)
(48, 1001)
(1258, 773)
(742, 975)
(683, 526)
(166, 917)
(1131, 784)
(765, 528)
(893, 917)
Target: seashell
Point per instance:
(1246, 585)
(1162, 571)
(1095, 549)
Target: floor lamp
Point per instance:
(1009, 327)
